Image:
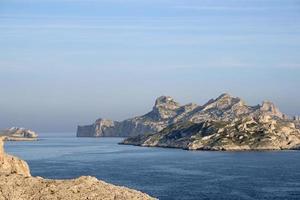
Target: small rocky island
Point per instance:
(16, 183)
(18, 134)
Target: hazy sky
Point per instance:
(68, 62)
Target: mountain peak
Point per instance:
(269, 107)
(225, 102)
(225, 95)
(165, 101)
(164, 108)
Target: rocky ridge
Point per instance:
(16, 183)
(18, 134)
(167, 111)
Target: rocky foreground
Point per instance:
(16, 183)
(18, 134)
(227, 123)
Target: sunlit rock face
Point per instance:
(244, 133)
(167, 111)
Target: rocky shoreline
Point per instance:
(16, 183)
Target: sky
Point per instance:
(65, 63)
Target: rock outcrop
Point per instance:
(167, 111)
(18, 134)
(16, 183)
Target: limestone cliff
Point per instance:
(16, 183)
(167, 111)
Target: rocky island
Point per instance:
(223, 123)
(18, 134)
(226, 123)
(16, 183)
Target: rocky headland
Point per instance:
(16, 183)
(18, 134)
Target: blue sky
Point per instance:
(68, 62)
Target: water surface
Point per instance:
(165, 173)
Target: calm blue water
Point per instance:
(165, 173)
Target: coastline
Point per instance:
(19, 139)
(211, 149)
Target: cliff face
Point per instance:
(167, 111)
(16, 183)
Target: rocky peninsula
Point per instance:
(18, 134)
(16, 183)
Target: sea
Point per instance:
(167, 174)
